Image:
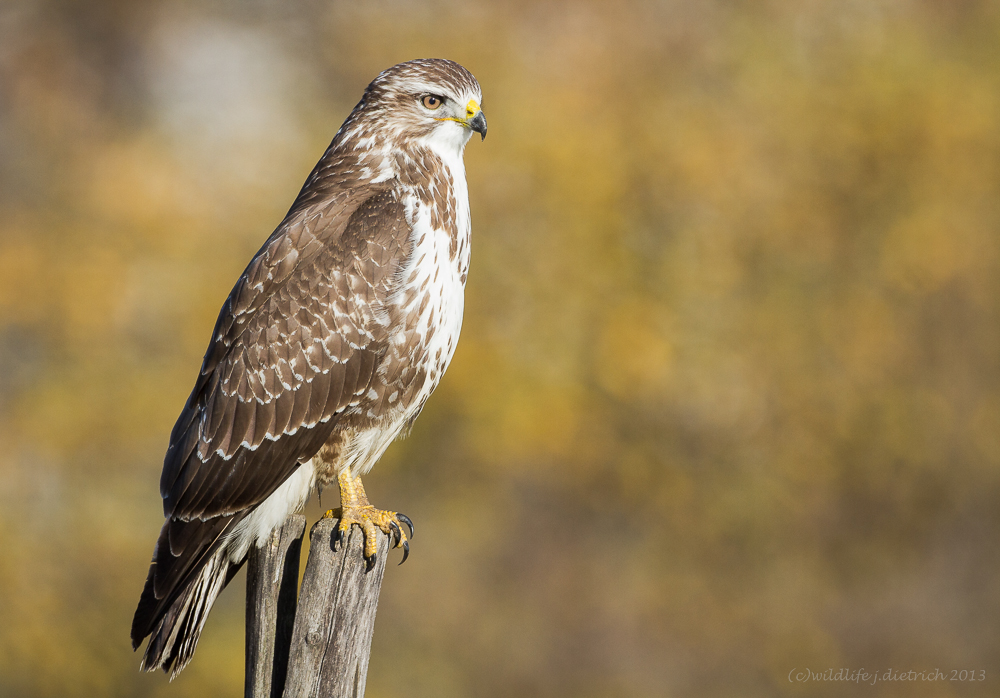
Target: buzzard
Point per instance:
(326, 349)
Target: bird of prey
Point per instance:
(327, 348)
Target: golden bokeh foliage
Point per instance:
(726, 402)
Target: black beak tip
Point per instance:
(478, 124)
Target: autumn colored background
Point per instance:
(726, 401)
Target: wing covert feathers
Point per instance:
(296, 344)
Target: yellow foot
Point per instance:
(355, 509)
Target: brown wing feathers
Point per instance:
(298, 340)
(310, 325)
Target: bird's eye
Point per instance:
(432, 101)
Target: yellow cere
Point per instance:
(471, 109)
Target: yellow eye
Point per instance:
(432, 102)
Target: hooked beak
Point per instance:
(478, 124)
(475, 119)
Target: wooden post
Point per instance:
(330, 640)
(336, 616)
(272, 581)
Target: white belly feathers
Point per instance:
(431, 300)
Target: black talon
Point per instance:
(370, 562)
(406, 519)
(396, 533)
(406, 551)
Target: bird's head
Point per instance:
(432, 100)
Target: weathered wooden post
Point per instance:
(272, 590)
(319, 646)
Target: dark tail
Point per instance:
(190, 568)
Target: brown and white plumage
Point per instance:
(333, 338)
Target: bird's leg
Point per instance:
(356, 509)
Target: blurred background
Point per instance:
(726, 401)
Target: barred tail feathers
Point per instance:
(192, 563)
(173, 640)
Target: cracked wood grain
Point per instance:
(272, 581)
(332, 636)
